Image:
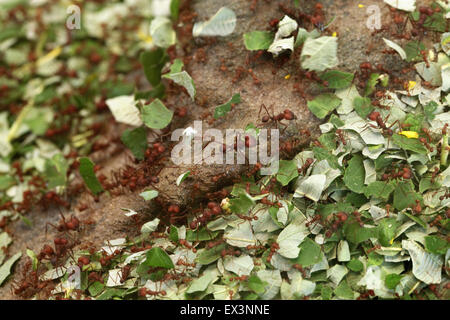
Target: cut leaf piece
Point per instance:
(363, 106)
(355, 265)
(310, 253)
(182, 177)
(221, 24)
(158, 258)
(337, 79)
(181, 78)
(379, 189)
(405, 195)
(409, 144)
(323, 104)
(156, 116)
(124, 110)
(436, 245)
(290, 238)
(426, 266)
(396, 47)
(258, 40)
(311, 187)
(149, 194)
(405, 5)
(287, 172)
(5, 269)
(355, 174)
(153, 62)
(136, 141)
(319, 54)
(223, 109)
(162, 32)
(89, 177)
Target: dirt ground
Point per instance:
(215, 87)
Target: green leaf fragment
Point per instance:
(89, 177)
(149, 194)
(287, 171)
(5, 269)
(437, 245)
(223, 109)
(310, 253)
(156, 116)
(158, 258)
(379, 189)
(258, 40)
(355, 174)
(255, 284)
(337, 79)
(153, 62)
(355, 265)
(392, 280)
(405, 143)
(136, 141)
(323, 104)
(363, 106)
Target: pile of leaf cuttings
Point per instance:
(363, 213)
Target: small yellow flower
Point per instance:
(360, 6)
(146, 38)
(410, 134)
(392, 241)
(411, 85)
(49, 56)
(335, 34)
(287, 77)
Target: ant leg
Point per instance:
(51, 224)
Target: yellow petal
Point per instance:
(144, 37)
(411, 85)
(49, 56)
(334, 34)
(287, 77)
(360, 5)
(410, 134)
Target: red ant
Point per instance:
(72, 225)
(144, 291)
(300, 268)
(434, 174)
(273, 248)
(340, 135)
(305, 167)
(230, 252)
(375, 116)
(125, 273)
(426, 144)
(404, 173)
(286, 115)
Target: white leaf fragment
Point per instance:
(405, 5)
(241, 236)
(242, 265)
(426, 266)
(319, 54)
(311, 187)
(273, 279)
(396, 47)
(221, 24)
(150, 226)
(124, 110)
(281, 41)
